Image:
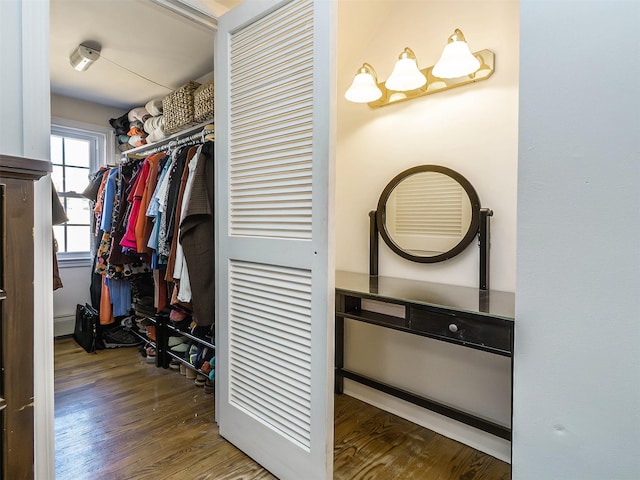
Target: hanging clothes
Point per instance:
(156, 209)
(155, 222)
(58, 217)
(196, 237)
(180, 269)
(144, 223)
(129, 240)
(168, 209)
(169, 277)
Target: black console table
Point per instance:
(465, 316)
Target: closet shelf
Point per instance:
(197, 132)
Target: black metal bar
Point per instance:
(339, 344)
(484, 241)
(455, 414)
(373, 243)
(339, 347)
(142, 337)
(162, 341)
(201, 341)
(171, 355)
(512, 370)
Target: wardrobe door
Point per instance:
(274, 321)
(17, 314)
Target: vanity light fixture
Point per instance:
(457, 66)
(364, 88)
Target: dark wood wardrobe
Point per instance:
(17, 176)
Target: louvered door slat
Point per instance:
(281, 90)
(266, 378)
(244, 74)
(274, 323)
(262, 126)
(263, 30)
(296, 83)
(291, 107)
(268, 397)
(285, 139)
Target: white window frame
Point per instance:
(102, 139)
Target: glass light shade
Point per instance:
(364, 88)
(405, 75)
(456, 61)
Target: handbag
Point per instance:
(85, 332)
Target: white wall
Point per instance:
(471, 129)
(577, 388)
(82, 111)
(24, 131)
(76, 282)
(10, 85)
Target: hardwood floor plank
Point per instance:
(118, 417)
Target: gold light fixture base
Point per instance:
(435, 84)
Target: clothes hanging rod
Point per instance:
(175, 140)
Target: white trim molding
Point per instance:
(106, 144)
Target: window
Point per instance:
(75, 154)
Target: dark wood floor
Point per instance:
(120, 418)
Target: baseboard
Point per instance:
(63, 325)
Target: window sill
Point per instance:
(74, 261)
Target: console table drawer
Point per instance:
(485, 333)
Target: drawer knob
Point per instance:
(453, 328)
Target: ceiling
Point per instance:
(168, 42)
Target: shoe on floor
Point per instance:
(127, 322)
(151, 332)
(174, 341)
(141, 323)
(151, 354)
(202, 331)
(200, 380)
(118, 337)
(180, 348)
(209, 386)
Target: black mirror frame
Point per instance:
(461, 245)
(479, 225)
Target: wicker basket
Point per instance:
(203, 102)
(178, 108)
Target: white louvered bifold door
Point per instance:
(274, 323)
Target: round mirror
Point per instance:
(428, 214)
